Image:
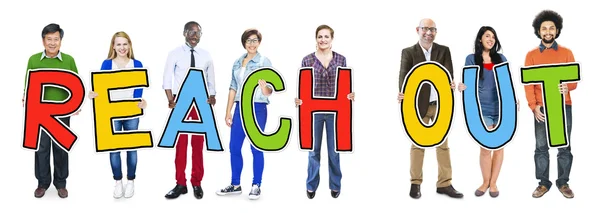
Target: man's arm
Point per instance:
(448, 62)
(406, 64)
(210, 75)
(530, 89)
(573, 85)
(168, 74)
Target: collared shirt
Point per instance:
(240, 73)
(543, 47)
(324, 79)
(178, 65)
(59, 55)
(427, 53)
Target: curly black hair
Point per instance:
(547, 15)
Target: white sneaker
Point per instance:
(254, 192)
(118, 193)
(129, 189)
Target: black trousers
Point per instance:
(42, 161)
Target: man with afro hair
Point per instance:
(547, 26)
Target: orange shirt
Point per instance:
(553, 55)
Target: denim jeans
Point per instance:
(314, 158)
(542, 157)
(115, 157)
(237, 140)
(490, 120)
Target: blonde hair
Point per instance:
(112, 53)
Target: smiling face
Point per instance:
(488, 40)
(324, 39)
(121, 46)
(252, 44)
(52, 43)
(548, 32)
(427, 31)
(192, 35)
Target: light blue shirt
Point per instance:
(252, 65)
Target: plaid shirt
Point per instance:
(324, 78)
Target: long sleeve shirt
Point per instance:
(178, 65)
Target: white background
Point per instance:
(371, 34)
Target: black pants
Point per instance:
(42, 161)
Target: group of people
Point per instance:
(324, 61)
(547, 26)
(179, 61)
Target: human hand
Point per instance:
(92, 95)
(228, 119)
(298, 102)
(142, 104)
(539, 115)
(211, 100)
(351, 96)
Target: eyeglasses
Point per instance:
(192, 33)
(251, 41)
(433, 29)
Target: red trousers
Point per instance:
(197, 142)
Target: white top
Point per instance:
(433, 93)
(178, 65)
(122, 94)
(241, 73)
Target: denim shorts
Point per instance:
(490, 120)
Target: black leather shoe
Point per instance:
(450, 191)
(175, 192)
(415, 191)
(310, 195)
(198, 193)
(335, 194)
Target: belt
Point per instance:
(432, 102)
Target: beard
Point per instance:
(548, 41)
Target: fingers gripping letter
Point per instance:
(339, 106)
(107, 110)
(550, 76)
(505, 130)
(193, 93)
(278, 140)
(421, 134)
(41, 114)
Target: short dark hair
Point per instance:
(52, 28)
(547, 15)
(189, 25)
(248, 33)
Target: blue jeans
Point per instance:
(314, 157)
(237, 140)
(542, 157)
(490, 120)
(115, 157)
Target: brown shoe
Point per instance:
(39, 192)
(566, 191)
(540, 191)
(63, 193)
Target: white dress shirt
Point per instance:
(178, 65)
(433, 93)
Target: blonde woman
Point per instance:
(120, 56)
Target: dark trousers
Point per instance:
(542, 156)
(42, 161)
